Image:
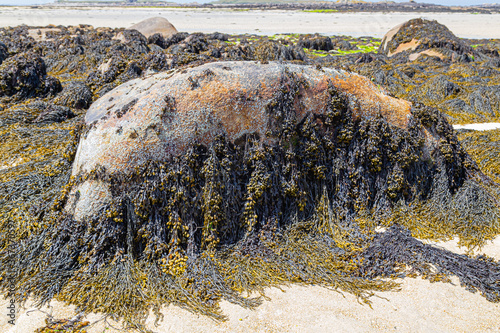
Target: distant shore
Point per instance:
(259, 22)
(306, 5)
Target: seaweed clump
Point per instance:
(484, 148)
(25, 75)
(75, 95)
(74, 325)
(395, 253)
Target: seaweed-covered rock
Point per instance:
(485, 100)
(4, 53)
(436, 89)
(133, 40)
(175, 38)
(423, 37)
(196, 43)
(316, 42)
(157, 39)
(258, 143)
(24, 75)
(106, 73)
(457, 105)
(269, 51)
(131, 35)
(163, 115)
(155, 25)
(156, 62)
(342, 44)
(76, 95)
(489, 51)
(218, 36)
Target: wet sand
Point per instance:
(253, 21)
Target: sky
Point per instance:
(441, 2)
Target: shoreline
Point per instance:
(258, 22)
(372, 7)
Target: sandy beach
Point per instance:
(258, 22)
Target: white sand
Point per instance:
(478, 126)
(254, 21)
(420, 306)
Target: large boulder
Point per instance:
(154, 25)
(162, 116)
(423, 37)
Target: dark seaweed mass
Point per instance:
(395, 248)
(24, 75)
(234, 217)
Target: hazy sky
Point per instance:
(442, 2)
